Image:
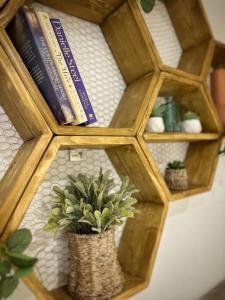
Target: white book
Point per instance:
(61, 66)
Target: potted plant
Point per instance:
(191, 123)
(176, 176)
(156, 123)
(88, 209)
(13, 263)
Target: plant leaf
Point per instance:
(98, 217)
(21, 260)
(3, 249)
(5, 267)
(80, 187)
(56, 211)
(50, 226)
(22, 272)
(99, 199)
(69, 209)
(83, 220)
(8, 286)
(58, 191)
(147, 5)
(19, 240)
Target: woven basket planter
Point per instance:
(176, 179)
(95, 272)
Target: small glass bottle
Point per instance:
(171, 115)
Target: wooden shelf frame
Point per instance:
(141, 235)
(201, 162)
(218, 61)
(218, 55)
(33, 130)
(2, 3)
(121, 25)
(179, 137)
(195, 36)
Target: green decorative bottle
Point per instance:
(171, 115)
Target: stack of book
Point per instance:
(43, 47)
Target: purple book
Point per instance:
(74, 73)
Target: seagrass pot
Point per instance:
(176, 180)
(95, 272)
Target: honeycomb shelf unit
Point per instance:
(136, 255)
(131, 77)
(34, 134)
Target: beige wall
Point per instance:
(191, 257)
(215, 10)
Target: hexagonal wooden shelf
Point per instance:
(30, 125)
(200, 165)
(141, 235)
(136, 62)
(191, 95)
(194, 34)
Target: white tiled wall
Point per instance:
(10, 142)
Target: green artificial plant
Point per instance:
(190, 115)
(148, 5)
(158, 111)
(13, 263)
(88, 204)
(176, 165)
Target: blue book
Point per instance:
(27, 37)
(74, 72)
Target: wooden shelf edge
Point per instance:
(132, 286)
(20, 170)
(180, 72)
(176, 137)
(179, 195)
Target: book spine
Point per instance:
(61, 66)
(72, 67)
(20, 35)
(49, 69)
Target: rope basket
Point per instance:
(95, 272)
(176, 179)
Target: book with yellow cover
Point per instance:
(61, 66)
